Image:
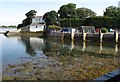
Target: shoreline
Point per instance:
(60, 67)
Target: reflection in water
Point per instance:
(116, 49)
(100, 47)
(72, 45)
(34, 46)
(84, 46)
(75, 58)
(38, 46)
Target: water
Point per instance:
(14, 49)
(7, 29)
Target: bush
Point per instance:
(54, 27)
(104, 30)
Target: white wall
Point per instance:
(35, 29)
(36, 43)
(119, 4)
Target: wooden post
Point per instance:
(100, 36)
(116, 49)
(72, 35)
(116, 36)
(84, 36)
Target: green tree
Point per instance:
(84, 13)
(51, 17)
(112, 11)
(28, 20)
(67, 11)
(31, 14)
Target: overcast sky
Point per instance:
(12, 12)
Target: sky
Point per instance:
(12, 12)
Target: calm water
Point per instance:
(16, 48)
(56, 59)
(7, 29)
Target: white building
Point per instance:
(119, 4)
(37, 25)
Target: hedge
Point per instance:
(99, 22)
(71, 22)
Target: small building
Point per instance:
(37, 25)
(87, 29)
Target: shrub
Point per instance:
(54, 27)
(104, 30)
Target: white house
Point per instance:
(119, 4)
(37, 25)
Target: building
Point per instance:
(34, 46)
(87, 29)
(37, 25)
(119, 4)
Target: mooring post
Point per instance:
(62, 35)
(116, 36)
(72, 35)
(84, 46)
(116, 49)
(84, 35)
(100, 36)
(100, 47)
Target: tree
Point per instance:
(112, 11)
(84, 13)
(28, 20)
(51, 17)
(101, 21)
(67, 11)
(31, 14)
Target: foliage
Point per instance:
(12, 26)
(84, 13)
(67, 11)
(102, 21)
(51, 18)
(28, 20)
(104, 30)
(112, 11)
(54, 27)
(71, 22)
(31, 14)
(3, 26)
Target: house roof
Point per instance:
(38, 16)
